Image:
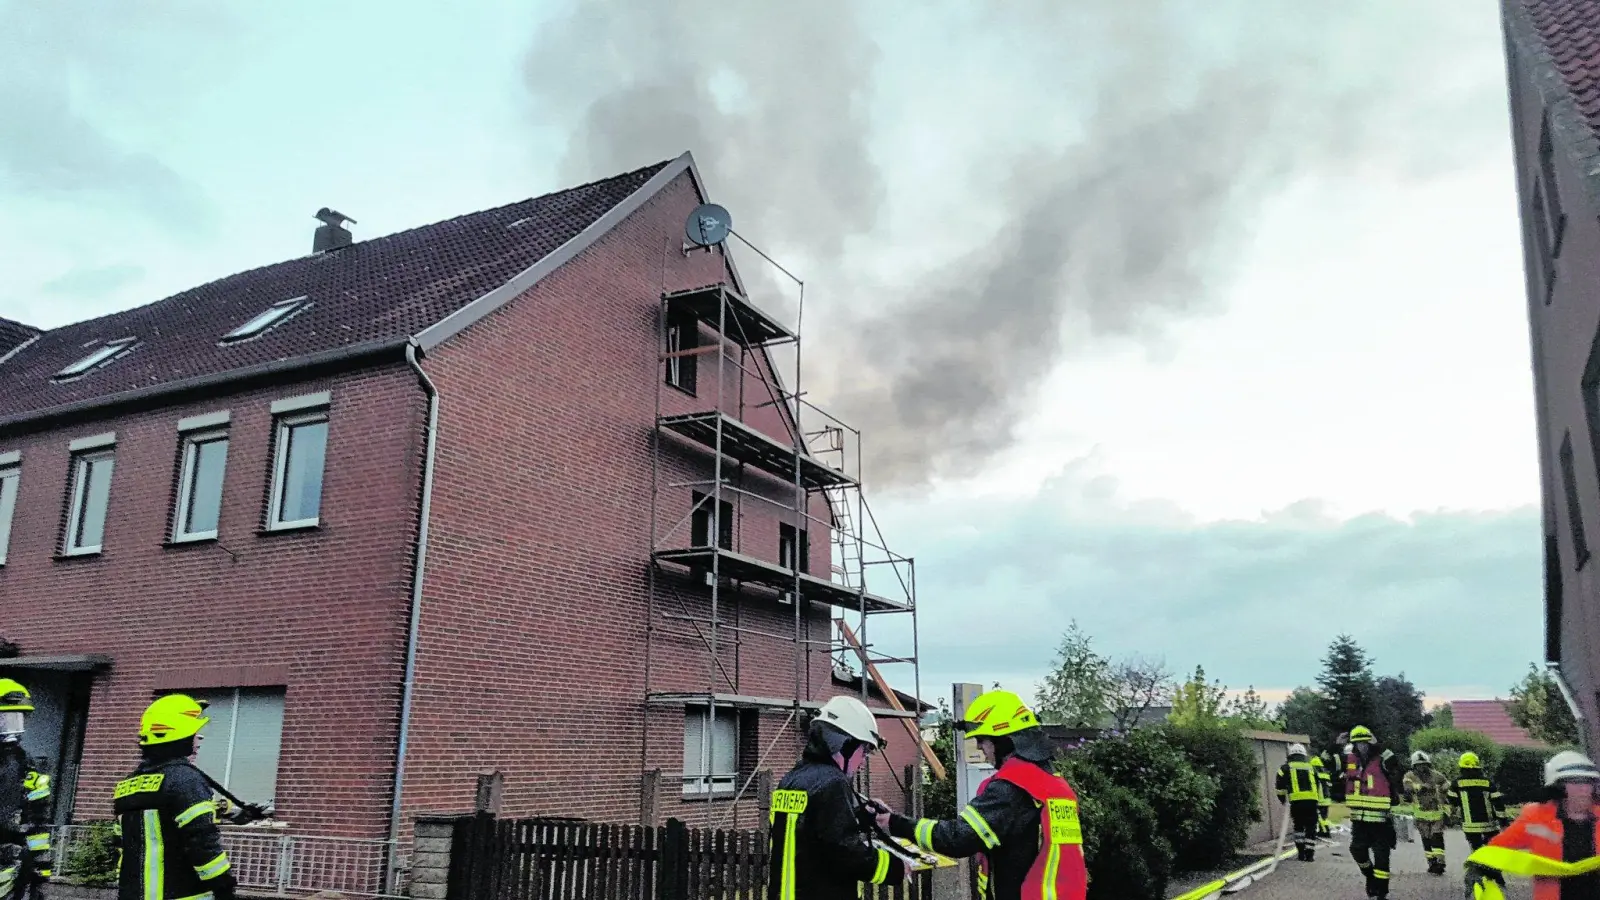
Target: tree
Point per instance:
(1536, 704)
(1349, 690)
(1248, 710)
(1301, 713)
(1197, 701)
(1077, 692)
(1399, 711)
(939, 796)
(1137, 684)
(1441, 716)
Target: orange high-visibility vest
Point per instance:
(1058, 871)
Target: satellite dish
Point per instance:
(708, 225)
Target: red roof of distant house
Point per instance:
(1570, 30)
(1490, 717)
(371, 293)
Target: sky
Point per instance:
(1202, 326)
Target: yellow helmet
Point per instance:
(1361, 734)
(998, 714)
(14, 697)
(171, 718)
(1469, 760)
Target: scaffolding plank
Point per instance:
(744, 444)
(746, 324)
(759, 571)
(743, 701)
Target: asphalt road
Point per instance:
(1333, 876)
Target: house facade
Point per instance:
(429, 506)
(1553, 77)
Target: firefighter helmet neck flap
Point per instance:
(843, 725)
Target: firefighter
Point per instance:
(227, 810)
(1476, 803)
(1425, 790)
(166, 824)
(1372, 783)
(819, 850)
(24, 803)
(1547, 838)
(1297, 786)
(1023, 825)
(1324, 796)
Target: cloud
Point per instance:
(93, 282)
(1452, 598)
(1127, 150)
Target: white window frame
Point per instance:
(192, 442)
(97, 357)
(706, 783)
(10, 483)
(282, 426)
(80, 494)
(266, 320)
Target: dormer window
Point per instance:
(98, 357)
(266, 319)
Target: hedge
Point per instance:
(1128, 859)
(92, 859)
(1445, 746)
(1227, 757)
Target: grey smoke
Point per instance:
(1155, 133)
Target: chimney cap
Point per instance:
(332, 216)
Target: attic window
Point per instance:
(99, 357)
(273, 314)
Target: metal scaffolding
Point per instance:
(820, 465)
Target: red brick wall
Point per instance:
(532, 656)
(329, 605)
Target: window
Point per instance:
(786, 548)
(1554, 221)
(300, 447)
(1541, 245)
(10, 478)
(700, 523)
(1569, 483)
(682, 334)
(90, 496)
(205, 457)
(240, 749)
(99, 357)
(1552, 599)
(710, 750)
(271, 316)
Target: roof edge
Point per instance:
(1570, 132)
(328, 358)
(466, 316)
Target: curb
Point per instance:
(1236, 881)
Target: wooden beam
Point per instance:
(913, 726)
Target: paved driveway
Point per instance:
(1334, 877)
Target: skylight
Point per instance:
(98, 357)
(273, 314)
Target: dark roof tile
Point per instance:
(1570, 30)
(384, 289)
(13, 335)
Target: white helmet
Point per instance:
(1297, 749)
(852, 717)
(1569, 766)
(1419, 758)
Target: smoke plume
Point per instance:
(1122, 154)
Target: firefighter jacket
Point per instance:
(1297, 780)
(1372, 787)
(1324, 788)
(819, 845)
(166, 830)
(1474, 796)
(1333, 766)
(1545, 846)
(24, 821)
(1427, 790)
(1003, 826)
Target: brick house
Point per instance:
(476, 458)
(1553, 68)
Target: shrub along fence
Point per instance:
(567, 859)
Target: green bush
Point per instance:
(1128, 859)
(1520, 775)
(1224, 755)
(1157, 772)
(1445, 746)
(92, 857)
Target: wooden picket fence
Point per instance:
(568, 859)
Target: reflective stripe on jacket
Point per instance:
(167, 833)
(1532, 847)
(1297, 780)
(1058, 871)
(819, 847)
(1369, 788)
(1481, 806)
(24, 818)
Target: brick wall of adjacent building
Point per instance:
(322, 610)
(532, 658)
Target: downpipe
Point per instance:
(419, 568)
(1554, 668)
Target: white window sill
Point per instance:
(195, 538)
(77, 552)
(303, 525)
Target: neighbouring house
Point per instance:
(444, 502)
(1490, 718)
(1553, 74)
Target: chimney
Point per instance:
(332, 234)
